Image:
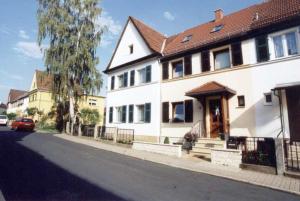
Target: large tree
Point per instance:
(70, 29)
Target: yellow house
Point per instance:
(40, 96)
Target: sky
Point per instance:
(20, 56)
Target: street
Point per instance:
(37, 166)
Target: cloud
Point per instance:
(12, 76)
(23, 34)
(111, 26)
(169, 16)
(29, 49)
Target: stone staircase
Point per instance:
(203, 146)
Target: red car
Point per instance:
(23, 124)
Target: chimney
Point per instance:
(219, 14)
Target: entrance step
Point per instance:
(203, 147)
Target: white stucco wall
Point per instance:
(130, 37)
(13, 108)
(251, 80)
(137, 95)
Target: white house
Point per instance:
(17, 102)
(133, 97)
(237, 75)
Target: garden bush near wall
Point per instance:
(11, 116)
(89, 116)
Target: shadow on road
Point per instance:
(26, 175)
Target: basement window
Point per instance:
(217, 28)
(268, 99)
(241, 101)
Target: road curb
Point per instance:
(127, 153)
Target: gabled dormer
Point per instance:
(137, 42)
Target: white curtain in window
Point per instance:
(142, 75)
(278, 46)
(222, 60)
(291, 43)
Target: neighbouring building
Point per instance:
(40, 96)
(133, 96)
(17, 102)
(3, 108)
(236, 75)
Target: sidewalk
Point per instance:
(276, 182)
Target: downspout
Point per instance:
(280, 113)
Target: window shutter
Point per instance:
(205, 61)
(132, 73)
(165, 112)
(124, 111)
(125, 79)
(262, 48)
(110, 115)
(188, 108)
(148, 74)
(187, 65)
(165, 70)
(112, 83)
(236, 54)
(130, 120)
(148, 112)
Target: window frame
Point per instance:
(283, 34)
(174, 104)
(268, 103)
(222, 50)
(239, 98)
(173, 63)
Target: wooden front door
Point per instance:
(293, 102)
(215, 118)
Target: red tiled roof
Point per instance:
(153, 38)
(43, 80)
(270, 12)
(209, 88)
(3, 106)
(15, 94)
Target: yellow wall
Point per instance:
(43, 101)
(93, 102)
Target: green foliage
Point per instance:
(89, 116)
(31, 111)
(166, 141)
(69, 26)
(43, 124)
(11, 116)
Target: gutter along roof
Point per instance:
(238, 24)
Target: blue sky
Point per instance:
(20, 56)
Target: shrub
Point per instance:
(11, 116)
(166, 141)
(89, 116)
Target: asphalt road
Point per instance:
(42, 167)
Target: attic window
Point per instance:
(130, 49)
(187, 38)
(217, 28)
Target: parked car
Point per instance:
(3, 120)
(23, 124)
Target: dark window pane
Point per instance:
(110, 115)
(188, 110)
(112, 83)
(262, 49)
(165, 112)
(148, 112)
(131, 111)
(165, 70)
(205, 61)
(187, 65)
(237, 56)
(148, 74)
(241, 101)
(124, 110)
(132, 74)
(125, 79)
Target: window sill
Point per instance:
(240, 107)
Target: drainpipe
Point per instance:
(280, 112)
